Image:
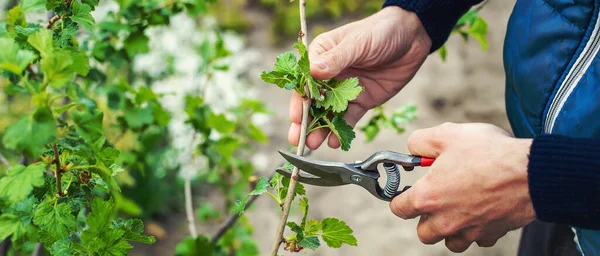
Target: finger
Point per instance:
(296, 108)
(353, 115)
(429, 142)
(457, 243)
(490, 240)
(427, 232)
(487, 242)
(403, 205)
(316, 138)
(330, 63)
(294, 134)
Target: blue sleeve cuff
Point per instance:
(564, 180)
(437, 16)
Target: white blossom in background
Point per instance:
(223, 91)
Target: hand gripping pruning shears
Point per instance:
(362, 173)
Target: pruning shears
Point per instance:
(362, 173)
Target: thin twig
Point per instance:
(189, 208)
(58, 172)
(306, 102)
(4, 161)
(234, 218)
(37, 251)
(53, 20)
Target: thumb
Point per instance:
(429, 142)
(332, 62)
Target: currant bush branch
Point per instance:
(58, 171)
(306, 103)
(235, 217)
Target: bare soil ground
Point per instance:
(468, 87)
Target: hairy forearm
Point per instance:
(437, 16)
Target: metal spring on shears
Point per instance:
(393, 179)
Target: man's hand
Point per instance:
(384, 51)
(476, 191)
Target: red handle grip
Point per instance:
(425, 161)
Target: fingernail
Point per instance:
(320, 63)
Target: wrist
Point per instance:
(521, 149)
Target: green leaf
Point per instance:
(370, 130)
(57, 68)
(100, 236)
(285, 183)
(207, 212)
(67, 35)
(277, 78)
(88, 123)
(134, 229)
(52, 4)
(286, 64)
(136, 43)
(8, 225)
(81, 15)
(16, 17)
(311, 242)
(221, 123)
(312, 227)
(227, 145)
(261, 186)
(479, 30)
(257, 134)
(115, 246)
(296, 229)
(336, 232)
(108, 155)
(313, 88)
(303, 62)
(288, 166)
(239, 206)
(193, 247)
(403, 116)
(340, 93)
(55, 219)
(62, 247)
(91, 3)
(12, 58)
(98, 219)
(138, 117)
(81, 64)
(21, 180)
(343, 131)
(31, 133)
(443, 51)
(25, 32)
(304, 208)
(33, 5)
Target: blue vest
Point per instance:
(553, 76)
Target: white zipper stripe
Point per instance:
(581, 65)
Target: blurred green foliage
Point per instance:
(284, 17)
